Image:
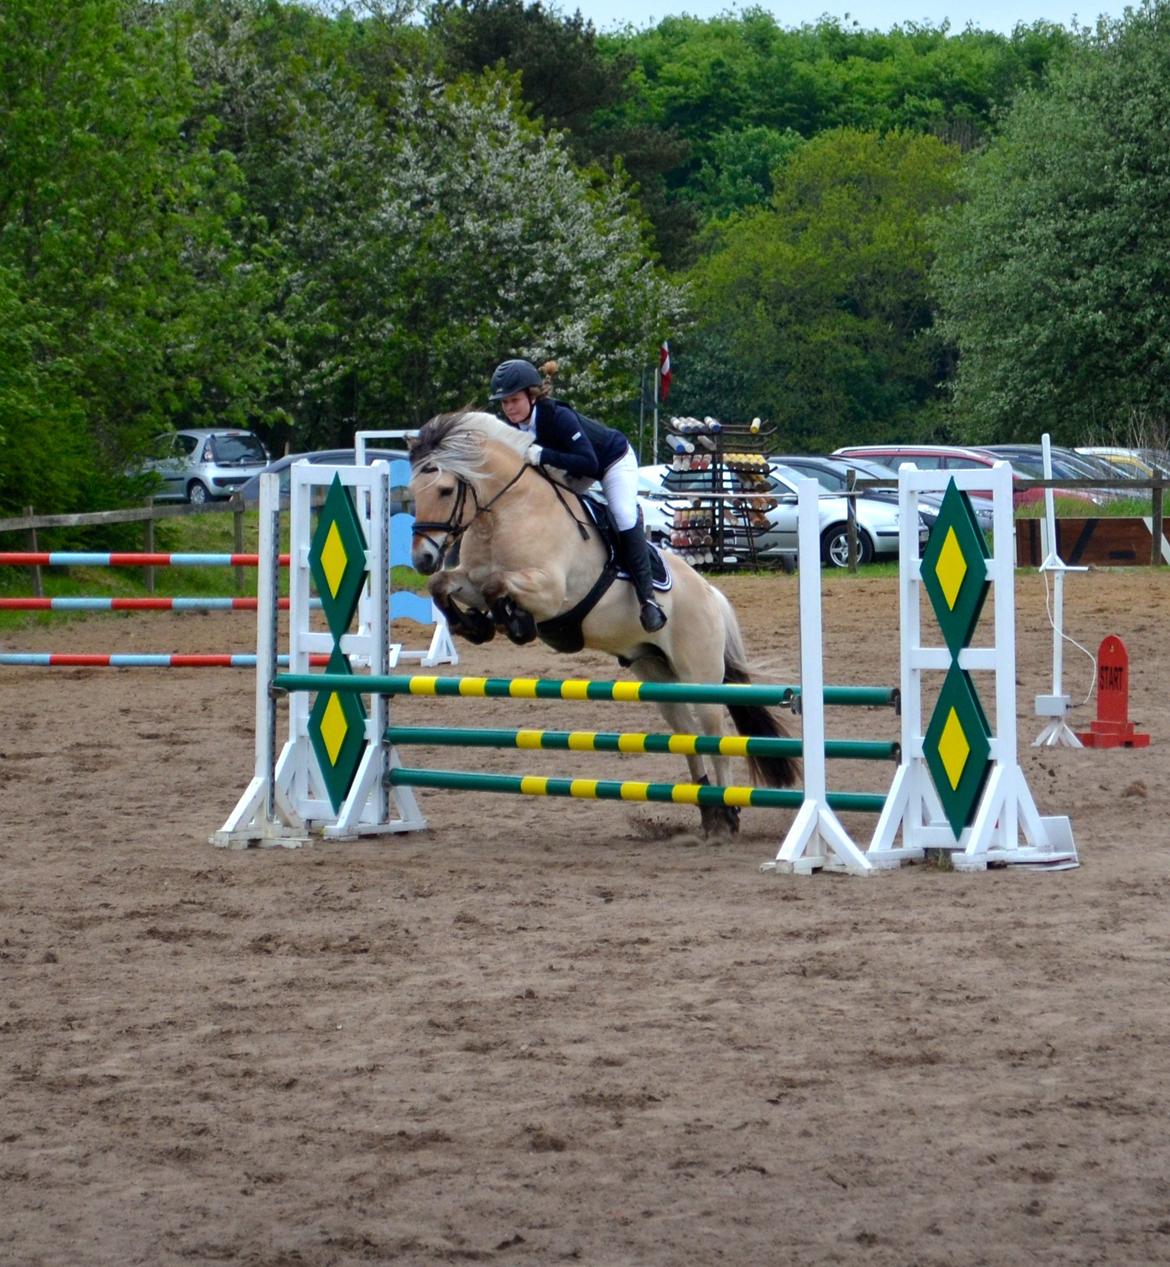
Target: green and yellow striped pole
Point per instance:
(608, 741)
(612, 790)
(730, 694)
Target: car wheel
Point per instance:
(835, 546)
(197, 493)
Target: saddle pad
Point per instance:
(599, 512)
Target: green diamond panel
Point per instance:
(957, 749)
(954, 569)
(337, 558)
(337, 731)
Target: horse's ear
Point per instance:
(411, 443)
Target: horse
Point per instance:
(508, 546)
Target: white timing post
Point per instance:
(1057, 733)
(816, 840)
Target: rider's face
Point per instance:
(516, 407)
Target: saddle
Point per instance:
(563, 633)
(599, 512)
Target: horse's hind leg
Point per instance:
(705, 719)
(694, 719)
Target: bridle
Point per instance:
(452, 528)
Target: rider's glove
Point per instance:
(533, 454)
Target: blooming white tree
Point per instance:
(490, 243)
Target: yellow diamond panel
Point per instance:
(953, 748)
(333, 559)
(951, 568)
(334, 728)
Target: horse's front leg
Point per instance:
(471, 622)
(513, 595)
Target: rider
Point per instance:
(581, 447)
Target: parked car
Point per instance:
(832, 473)
(954, 457)
(1138, 464)
(204, 463)
(877, 521)
(1066, 464)
(250, 491)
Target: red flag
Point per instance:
(664, 368)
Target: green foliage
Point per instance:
(728, 75)
(813, 313)
(493, 244)
(1053, 274)
(114, 244)
(738, 175)
(570, 79)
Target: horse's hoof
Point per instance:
(517, 623)
(720, 822)
(476, 627)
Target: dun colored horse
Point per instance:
(509, 547)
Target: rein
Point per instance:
(453, 529)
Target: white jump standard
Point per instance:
(959, 785)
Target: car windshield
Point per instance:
(828, 480)
(238, 450)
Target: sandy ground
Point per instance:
(553, 1031)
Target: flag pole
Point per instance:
(641, 415)
(657, 376)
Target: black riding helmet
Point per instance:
(510, 377)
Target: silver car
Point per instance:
(282, 467)
(204, 463)
(661, 492)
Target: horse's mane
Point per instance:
(458, 442)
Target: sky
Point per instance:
(880, 15)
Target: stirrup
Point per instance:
(652, 616)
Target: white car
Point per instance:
(663, 492)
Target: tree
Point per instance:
(131, 299)
(1052, 276)
(572, 80)
(493, 244)
(813, 313)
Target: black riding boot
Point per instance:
(637, 560)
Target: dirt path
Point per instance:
(554, 1031)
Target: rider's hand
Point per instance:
(533, 454)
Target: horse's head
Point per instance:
(457, 462)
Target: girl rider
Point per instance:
(582, 448)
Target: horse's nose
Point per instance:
(424, 557)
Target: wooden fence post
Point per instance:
(238, 540)
(37, 579)
(148, 544)
(1156, 542)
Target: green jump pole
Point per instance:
(745, 694)
(603, 741)
(611, 790)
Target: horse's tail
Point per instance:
(753, 719)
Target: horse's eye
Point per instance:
(430, 469)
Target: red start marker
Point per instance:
(1112, 728)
